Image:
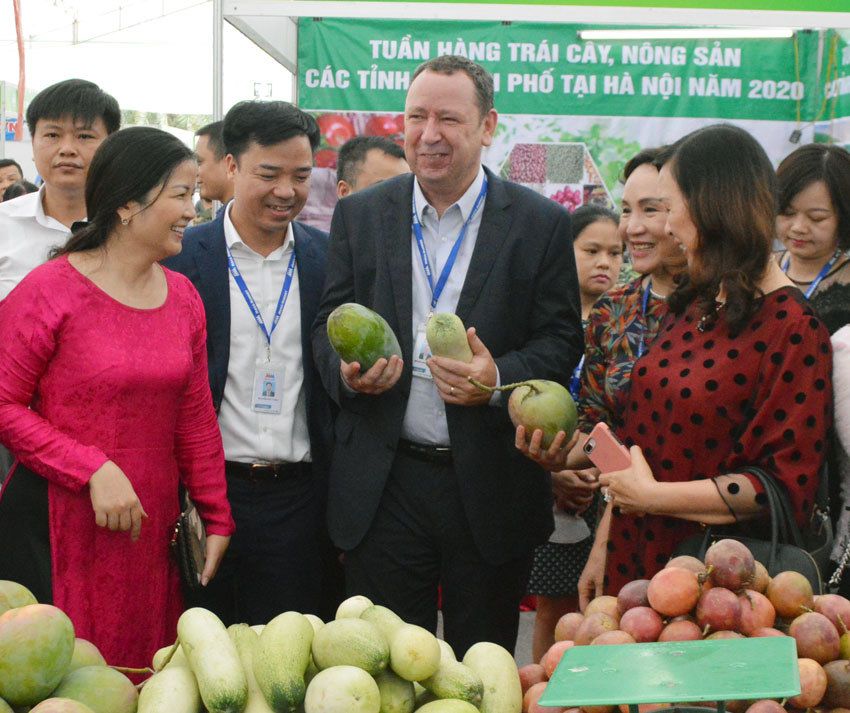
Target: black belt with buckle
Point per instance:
(422, 451)
(267, 471)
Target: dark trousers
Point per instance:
(25, 555)
(419, 539)
(274, 562)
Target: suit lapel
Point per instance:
(396, 223)
(309, 290)
(214, 276)
(309, 280)
(495, 224)
(214, 287)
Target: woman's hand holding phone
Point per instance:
(633, 490)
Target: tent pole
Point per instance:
(218, 60)
(3, 109)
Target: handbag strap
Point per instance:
(789, 531)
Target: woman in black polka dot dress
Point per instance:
(739, 376)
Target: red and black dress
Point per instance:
(703, 403)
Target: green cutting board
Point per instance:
(675, 672)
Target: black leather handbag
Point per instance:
(783, 546)
(189, 546)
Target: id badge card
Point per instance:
(268, 388)
(421, 352)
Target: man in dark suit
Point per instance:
(426, 485)
(260, 276)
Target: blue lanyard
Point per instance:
(823, 273)
(252, 305)
(575, 381)
(437, 290)
(642, 343)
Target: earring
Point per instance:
(125, 221)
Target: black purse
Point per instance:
(786, 548)
(189, 546)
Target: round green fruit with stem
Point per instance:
(539, 403)
(546, 405)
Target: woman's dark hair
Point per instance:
(588, 214)
(639, 159)
(819, 162)
(128, 166)
(18, 189)
(729, 186)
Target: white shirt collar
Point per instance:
(465, 202)
(31, 205)
(232, 237)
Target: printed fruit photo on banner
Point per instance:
(336, 128)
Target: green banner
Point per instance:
(546, 69)
(836, 99)
(760, 5)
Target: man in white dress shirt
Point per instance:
(260, 276)
(67, 121)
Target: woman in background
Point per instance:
(106, 406)
(557, 564)
(814, 225)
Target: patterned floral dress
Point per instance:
(617, 327)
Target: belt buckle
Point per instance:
(256, 467)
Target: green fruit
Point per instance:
(59, 705)
(13, 595)
(281, 658)
(397, 695)
(455, 680)
(85, 654)
(358, 334)
(545, 405)
(387, 621)
(448, 705)
(36, 645)
(101, 688)
(343, 689)
(414, 653)
(351, 642)
(446, 337)
(844, 646)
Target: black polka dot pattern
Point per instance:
(706, 404)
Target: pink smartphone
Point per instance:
(605, 450)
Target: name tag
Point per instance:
(268, 389)
(421, 352)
